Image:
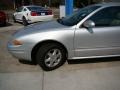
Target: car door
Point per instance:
(19, 13)
(101, 40)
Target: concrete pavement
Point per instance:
(11, 26)
(21, 81)
(93, 79)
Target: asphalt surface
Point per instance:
(92, 74)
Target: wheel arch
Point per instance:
(24, 17)
(38, 45)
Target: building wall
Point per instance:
(4, 4)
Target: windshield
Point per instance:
(77, 16)
(36, 8)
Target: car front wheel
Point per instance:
(25, 23)
(14, 19)
(51, 56)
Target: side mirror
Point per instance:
(89, 24)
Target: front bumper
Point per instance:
(19, 52)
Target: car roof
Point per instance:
(106, 4)
(32, 6)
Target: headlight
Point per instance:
(17, 42)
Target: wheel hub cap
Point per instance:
(53, 57)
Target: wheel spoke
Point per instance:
(51, 63)
(50, 54)
(58, 55)
(55, 52)
(47, 60)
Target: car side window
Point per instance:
(19, 9)
(109, 16)
(24, 9)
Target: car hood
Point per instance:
(40, 27)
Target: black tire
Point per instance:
(42, 54)
(3, 24)
(25, 23)
(14, 20)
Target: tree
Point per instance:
(82, 3)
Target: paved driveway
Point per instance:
(93, 74)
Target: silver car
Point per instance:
(91, 32)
